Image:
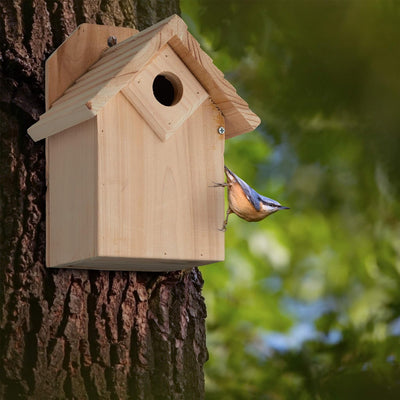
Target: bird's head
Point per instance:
(270, 206)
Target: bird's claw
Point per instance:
(216, 184)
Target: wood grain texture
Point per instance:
(165, 120)
(119, 198)
(74, 57)
(119, 65)
(239, 118)
(155, 199)
(71, 223)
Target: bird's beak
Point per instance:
(284, 208)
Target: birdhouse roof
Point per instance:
(119, 65)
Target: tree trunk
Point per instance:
(76, 334)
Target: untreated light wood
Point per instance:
(71, 198)
(120, 198)
(165, 120)
(239, 118)
(118, 66)
(79, 52)
(155, 198)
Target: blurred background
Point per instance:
(307, 303)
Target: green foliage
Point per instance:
(307, 303)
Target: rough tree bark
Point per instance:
(70, 333)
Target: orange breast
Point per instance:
(241, 206)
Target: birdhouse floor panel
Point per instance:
(135, 264)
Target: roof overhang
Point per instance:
(118, 66)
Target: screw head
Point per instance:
(221, 130)
(112, 41)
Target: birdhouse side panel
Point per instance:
(72, 194)
(155, 197)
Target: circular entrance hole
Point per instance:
(167, 89)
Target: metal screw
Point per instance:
(112, 41)
(221, 130)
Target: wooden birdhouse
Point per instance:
(134, 141)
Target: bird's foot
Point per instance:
(223, 229)
(216, 184)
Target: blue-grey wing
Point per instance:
(250, 193)
(268, 201)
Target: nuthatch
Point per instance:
(245, 202)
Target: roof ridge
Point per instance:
(119, 64)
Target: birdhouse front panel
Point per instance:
(156, 203)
